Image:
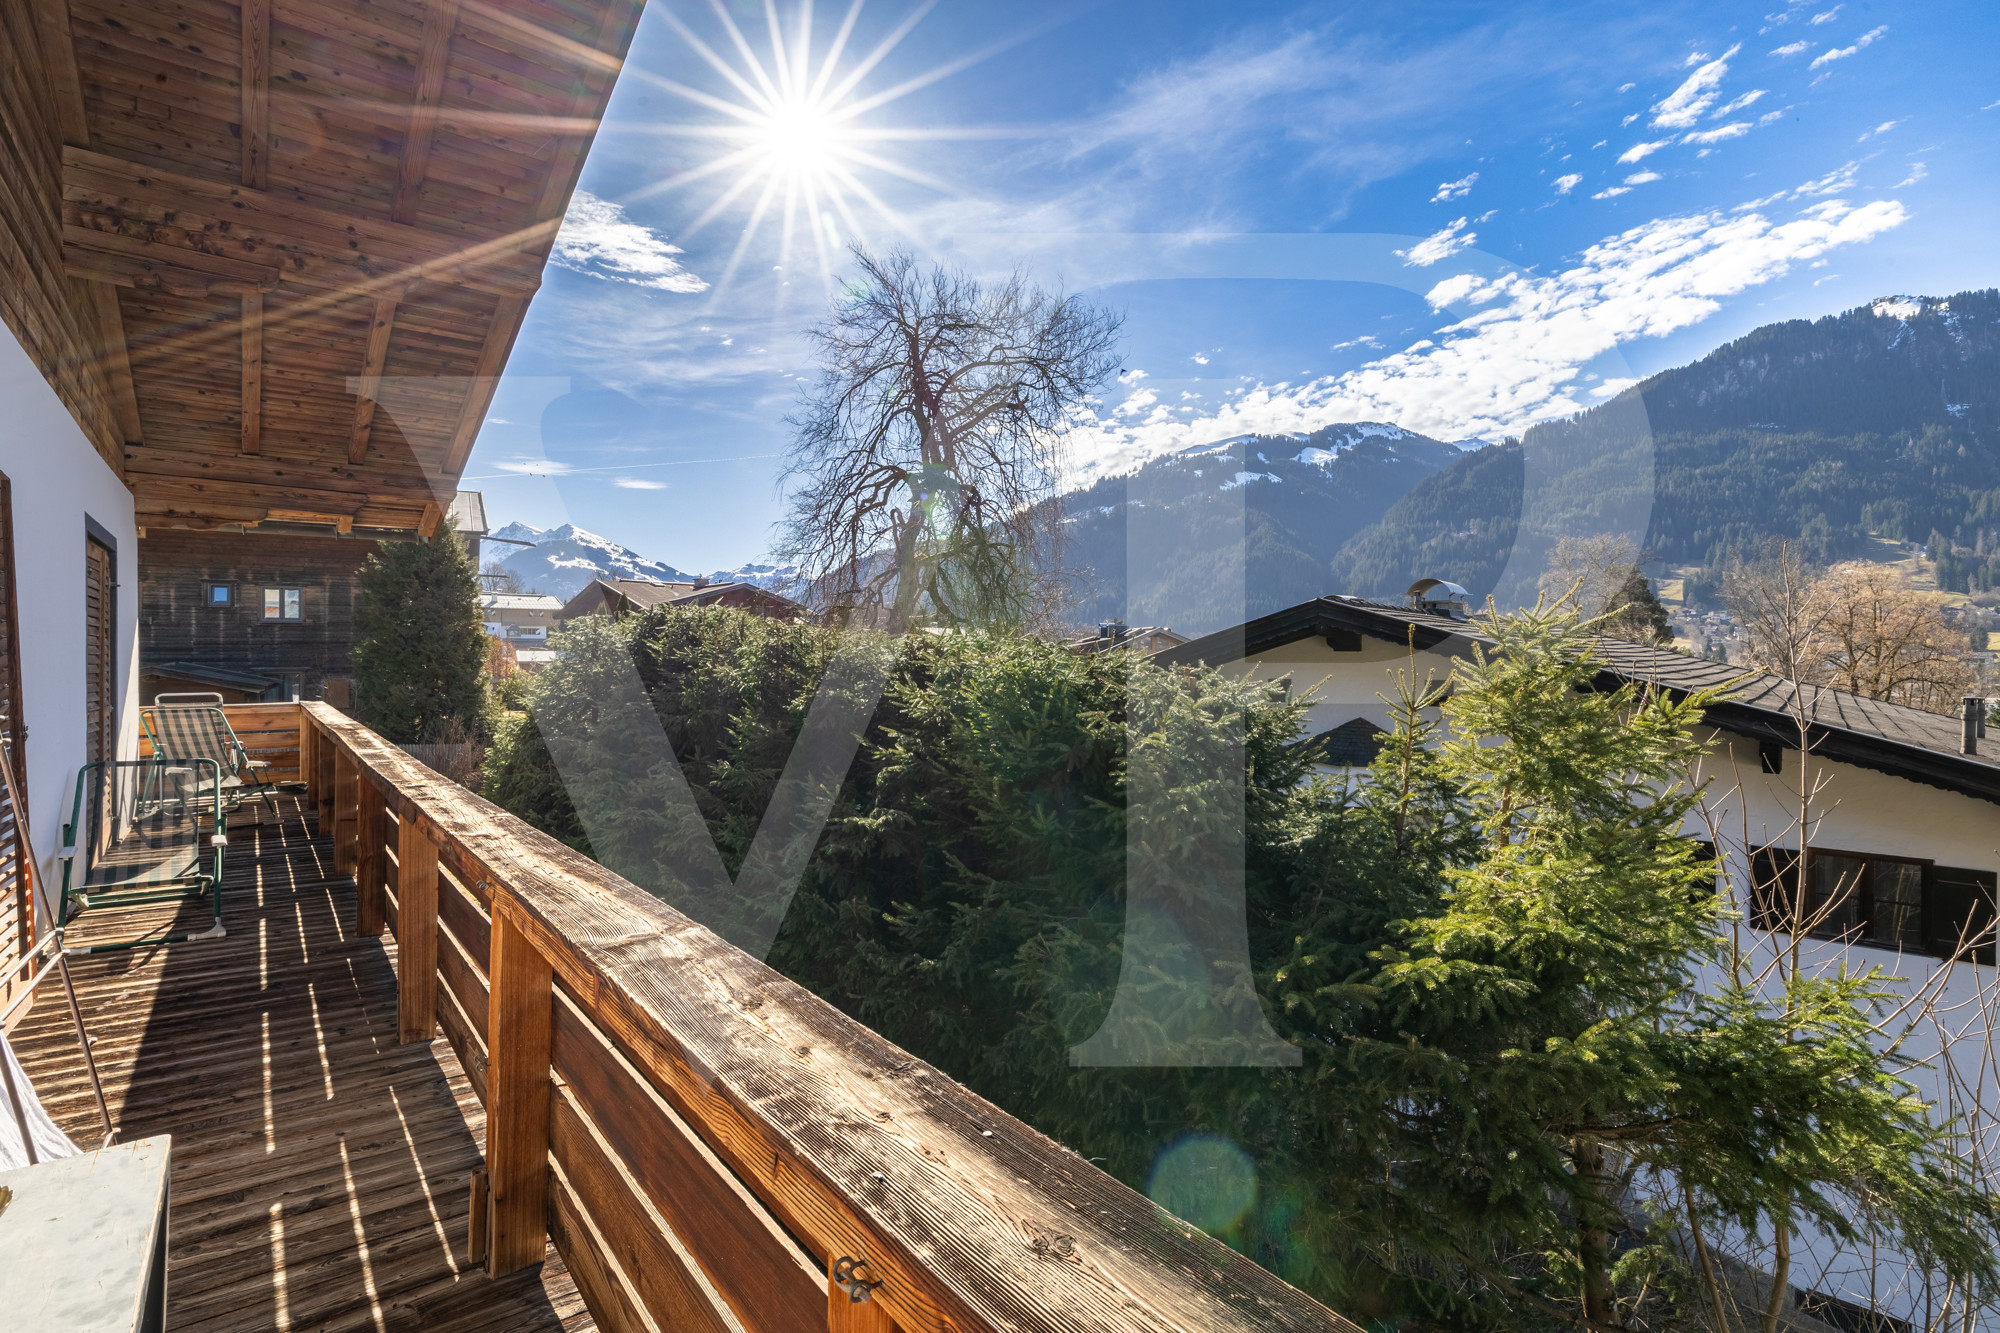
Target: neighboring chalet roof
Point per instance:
(468, 513)
(518, 601)
(273, 255)
(1889, 738)
(645, 594)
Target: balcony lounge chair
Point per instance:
(136, 835)
(184, 731)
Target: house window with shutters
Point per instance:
(100, 655)
(1889, 902)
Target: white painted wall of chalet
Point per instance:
(58, 479)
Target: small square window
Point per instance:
(281, 604)
(220, 594)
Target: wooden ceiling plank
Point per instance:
(256, 88)
(297, 231)
(217, 268)
(379, 332)
(440, 17)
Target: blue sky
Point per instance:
(1462, 218)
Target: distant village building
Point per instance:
(618, 596)
(264, 611)
(521, 619)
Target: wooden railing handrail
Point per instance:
(969, 1219)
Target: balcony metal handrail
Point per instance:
(710, 1145)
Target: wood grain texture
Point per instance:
(320, 1165)
(116, 359)
(346, 814)
(371, 859)
(971, 1219)
(416, 932)
(255, 76)
(517, 1097)
(252, 408)
(766, 1280)
(380, 329)
(432, 58)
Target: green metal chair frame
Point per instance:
(134, 836)
(199, 731)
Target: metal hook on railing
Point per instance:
(846, 1276)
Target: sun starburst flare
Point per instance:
(793, 144)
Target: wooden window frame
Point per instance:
(228, 591)
(1770, 900)
(297, 598)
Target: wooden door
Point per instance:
(100, 621)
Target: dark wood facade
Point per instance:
(182, 626)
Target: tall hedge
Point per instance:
(419, 648)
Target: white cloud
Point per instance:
(1868, 38)
(1770, 116)
(1639, 150)
(1457, 189)
(597, 240)
(1832, 183)
(1199, 359)
(1682, 107)
(1990, 106)
(1917, 172)
(1738, 104)
(1694, 58)
(635, 484)
(1626, 87)
(1438, 245)
(1642, 178)
(534, 467)
(1883, 128)
(1612, 192)
(1792, 48)
(498, 421)
(1518, 354)
(1827, 17)
(1735, 129)
(1564, 184)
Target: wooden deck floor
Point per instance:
(319, 1168)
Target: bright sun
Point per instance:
(791, 142)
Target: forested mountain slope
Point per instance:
(1885, 418)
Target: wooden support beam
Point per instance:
(59, 66)
(346, 812)
(99, 255)
(427, 526)
(256, 93)
(253, 371)
(440, 16)
(508, 312)
(518, 1023)
(113, 357)
(416, 934)
(379, 332)
(371, 859)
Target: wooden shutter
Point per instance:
(100, 699)
(1959, 908)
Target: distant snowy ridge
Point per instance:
(563, 560)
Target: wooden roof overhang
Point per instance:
(273, 254)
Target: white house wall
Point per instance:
(58, 480)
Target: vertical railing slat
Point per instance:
(416, 933)
(371, 861)
(519, 1021)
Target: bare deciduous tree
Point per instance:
(1601, 575)
(1856, 627)
(926, 460)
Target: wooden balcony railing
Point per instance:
(709, 1145)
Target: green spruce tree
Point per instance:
(419, 649)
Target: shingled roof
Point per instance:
(1869, 733)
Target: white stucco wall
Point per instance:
(57, 480)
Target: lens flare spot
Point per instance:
(1206, 1180)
